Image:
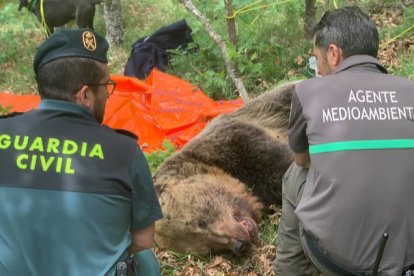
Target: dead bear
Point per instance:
(213, 190)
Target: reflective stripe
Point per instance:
(362, 145)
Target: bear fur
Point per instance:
(212, 192)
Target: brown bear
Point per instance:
(213, 190)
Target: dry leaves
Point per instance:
(388, 17)
(259, 262)
(390, 48)
(389, 51)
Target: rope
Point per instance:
(254, 20)
(397, 36)
(43, 19)
(251, 7)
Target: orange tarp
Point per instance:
(162, 107)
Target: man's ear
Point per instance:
(334, 55)
(84, 97)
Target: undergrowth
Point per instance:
(155, 158)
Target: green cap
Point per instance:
(71, 43)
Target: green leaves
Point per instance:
(268, 36)
(4, 110)
(155, 159)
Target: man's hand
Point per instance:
(142, 239)
(302, 159)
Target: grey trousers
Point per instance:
(290, 256)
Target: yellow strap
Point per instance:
(397, 36)
(43, 20)
(252, 7)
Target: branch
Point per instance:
(219, 41)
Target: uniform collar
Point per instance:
(64, 106)
(358, 60)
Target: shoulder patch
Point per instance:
(126, 133)
(10, 115)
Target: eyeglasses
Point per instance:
(110, 86)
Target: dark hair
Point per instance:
(62, 78)
(348, 28)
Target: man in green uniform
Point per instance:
(353, 128)
(76, 197)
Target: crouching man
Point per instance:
(353, 128)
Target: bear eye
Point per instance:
(202, 224)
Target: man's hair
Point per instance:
(62, 78)
(348, 28)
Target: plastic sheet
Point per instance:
(162, 107)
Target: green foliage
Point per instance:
(378, 5)
(405, 28)
(155, 158)
(19, 40)
(407, 68)
(267, 46)
(269, 232)
(4, 110)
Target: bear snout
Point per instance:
(241, 247)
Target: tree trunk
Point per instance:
(231, 25)
(231, 72)
(113, 21)
(310, 13)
